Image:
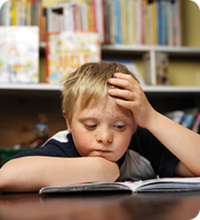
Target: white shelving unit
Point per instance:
(20, 103)
(133, 49)
(147, 89)
(143, 49)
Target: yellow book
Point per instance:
(90, 15)
(13, 12)
(154, 24)
(28, 8)
(132, 22)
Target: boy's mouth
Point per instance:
(101, 152)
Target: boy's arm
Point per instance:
(34, 172)
(182, 142)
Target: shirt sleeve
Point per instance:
(52, 148)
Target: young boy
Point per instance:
(113, 134)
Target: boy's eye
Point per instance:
(90, 126)
(119, 127)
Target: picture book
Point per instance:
(68, 50)
(19, 54)
(151, 185)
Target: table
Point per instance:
(100, 206)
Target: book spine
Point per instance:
(13, 12)
(155, 23)
(132, 21)
(104, 21)
(94, 6)
(150, 23)
(107, 21)
(84, 16)
(176, 23)
(138, 25)
(170, 23)
(164, 20)
(146, 22)
(2, 15)
(99, 19)
(112, 27)
(122, 21)
(118, 24)
(90, 16)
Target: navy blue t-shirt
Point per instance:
(145, 157)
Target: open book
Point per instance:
(152, 185)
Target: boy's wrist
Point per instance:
(108, 171)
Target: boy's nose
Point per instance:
(104, 136)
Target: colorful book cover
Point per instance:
(19, 54)
(67, 50)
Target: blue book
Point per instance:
(118, 28)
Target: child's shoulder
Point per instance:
(60, 136)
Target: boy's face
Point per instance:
(102, 130)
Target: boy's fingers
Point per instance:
(121, 83)
(124, 76)
(121, 94)
(125, 104)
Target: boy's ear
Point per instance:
(66, 120)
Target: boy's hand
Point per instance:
(132, 97)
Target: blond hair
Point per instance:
(89, 82)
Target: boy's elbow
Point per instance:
(5, 181)
(10, 179)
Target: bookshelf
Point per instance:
(21, 103)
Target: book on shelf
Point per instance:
(176, 115)
(19, 54)
(72, 16)
(188, 118)
(24, 13)
(161, 69)
(131, 66)
(137, 22)
(67, 50)
(151, 185)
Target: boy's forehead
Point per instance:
(103, 106)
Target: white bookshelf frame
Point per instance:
(141, 49)
(181, 50)
(147, 89)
